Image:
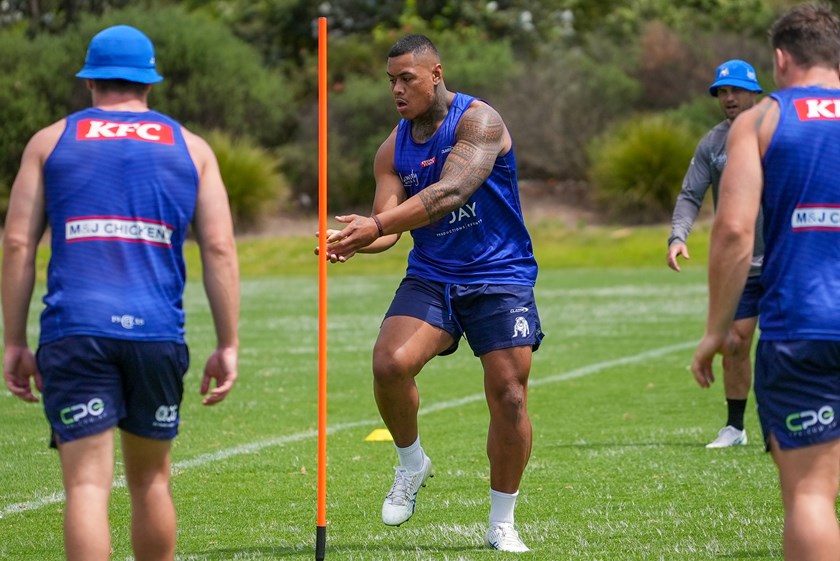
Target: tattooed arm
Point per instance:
(480, 138)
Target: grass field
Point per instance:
(619, 471)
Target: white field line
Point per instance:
(254, 447)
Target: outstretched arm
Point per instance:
(389, 193)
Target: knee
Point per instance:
(738, 356)
(148, 483)
(508, 398)
(391, 366)
(743, 348)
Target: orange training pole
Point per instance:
(321, 530)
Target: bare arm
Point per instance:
(480, 138)
(733, 235)
(25, 224)
(214, 231)
(389, 193)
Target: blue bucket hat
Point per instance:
(735, 73)
(121, 53)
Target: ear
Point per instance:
(781, 59)
(437, 74)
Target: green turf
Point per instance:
(619, 470)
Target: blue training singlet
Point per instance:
(484, 241)
(120, 191)
(801, 203)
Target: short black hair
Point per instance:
(415, 44)
(117, 85)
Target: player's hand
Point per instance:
(19, 367)
(674, 250)
(221, 366)
(701, 367)
(360, 232)
(333, 257)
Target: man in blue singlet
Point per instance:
(118, 185)
(447, 174)
(784, 157)
(736, 89)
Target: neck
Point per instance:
(111, 101)
(815, 76)
(425, 125)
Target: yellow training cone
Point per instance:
(379, 435)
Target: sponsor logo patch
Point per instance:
(815, 217)
(88, 228)
(810, 421)
(94, 129)
(79, 412)
(521, 327)
(817, 109)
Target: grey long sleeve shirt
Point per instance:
(704, 171)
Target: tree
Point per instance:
(53, 15)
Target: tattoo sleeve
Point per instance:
(478, 143)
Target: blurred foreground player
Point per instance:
(784, 156)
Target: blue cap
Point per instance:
(735, 73)
(121, 53)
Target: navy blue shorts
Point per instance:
(797, 388)
(491, 316)
(748, 304)
(94, 383)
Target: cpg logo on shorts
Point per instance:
(810, 421)
(82, 413)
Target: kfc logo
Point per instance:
(817, 109)
(93, 129)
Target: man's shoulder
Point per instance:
(719, 130)
(45, 139)
(716, 136)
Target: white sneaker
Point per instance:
(503, 537)
(400, 500)
(729, 436)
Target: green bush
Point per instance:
(638, 165)
(362, 111)
(212, 81)
(32, 96)
(700, 114)
(558, 105)
(254, 185)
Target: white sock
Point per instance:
(501, 507)
(411, 457)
